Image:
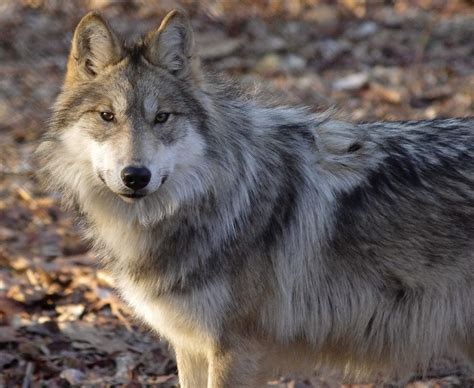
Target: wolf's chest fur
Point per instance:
(189, 321)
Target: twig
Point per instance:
(28, 375)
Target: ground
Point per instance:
(60, 321)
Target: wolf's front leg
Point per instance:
(236, 368)
(192, 369)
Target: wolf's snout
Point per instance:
(135, 178)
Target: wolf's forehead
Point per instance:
(129, 95)
(151, 83)
(150, 104)
(140, 90)
(145, 97)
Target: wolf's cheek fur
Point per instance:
(106, 164)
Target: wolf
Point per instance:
(256, 238)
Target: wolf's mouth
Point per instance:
(133, 195)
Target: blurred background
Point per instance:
(60, 322)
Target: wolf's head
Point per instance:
(130, 120)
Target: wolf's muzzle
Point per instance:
(135, 178)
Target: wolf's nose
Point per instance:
(135, 177)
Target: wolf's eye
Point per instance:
(161, 117)
(107, 116)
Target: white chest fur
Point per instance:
(191, 320)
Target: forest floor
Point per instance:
(61, 323)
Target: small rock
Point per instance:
(268, 44)
(257, 29)
(215, 50)
(324, 16)
(275, 43)
(363, 31)
(387, 75)
(352, 82)
(389, 95)
(72, 376)
(48, 328)
(124, 365)
(431, 113)
(270, 63)
(293, 63)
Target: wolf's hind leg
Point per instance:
(192, 369)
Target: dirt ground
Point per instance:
(60, 321)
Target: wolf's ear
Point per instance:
(94, 46)
(171, 45)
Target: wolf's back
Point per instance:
(416, 207)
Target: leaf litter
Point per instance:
(61, 324)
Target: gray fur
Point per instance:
(292, 240)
